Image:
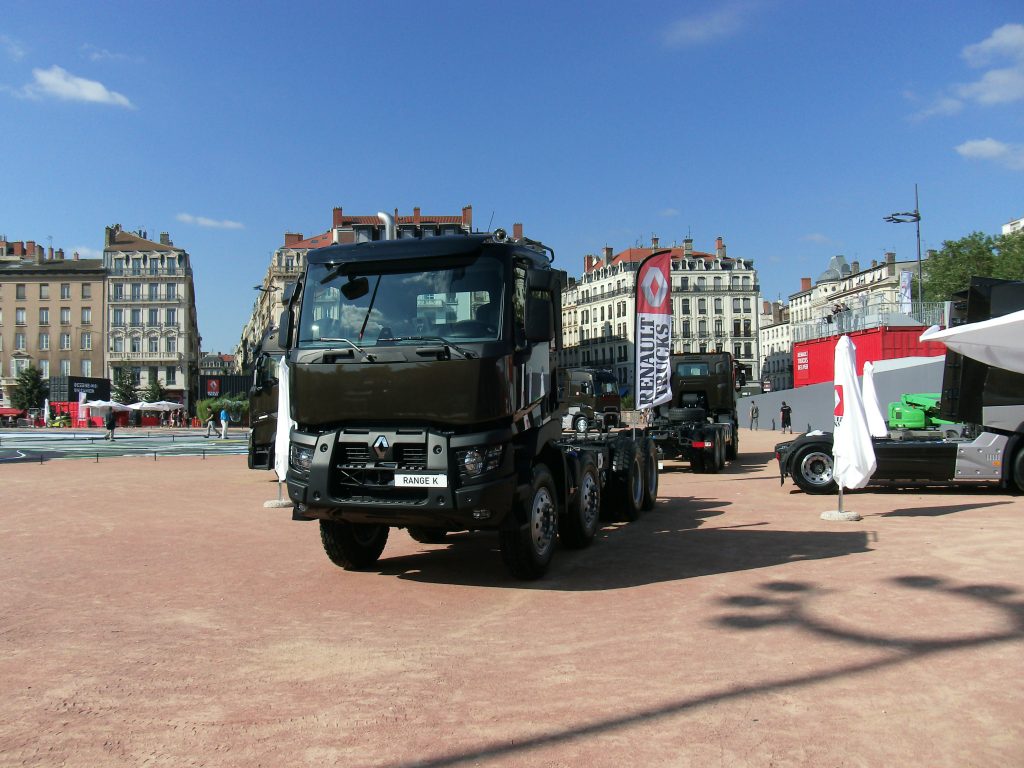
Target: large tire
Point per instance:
(698, 463)
(626, 483)
(1018, 468)
(732, 451)
(353, 545)
(651, 475)
(813, 469)
(581, 424)
(425, 535)
(578, 526)
(527, 548)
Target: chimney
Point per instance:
(890, 257)
(688, 247)
(854, 267)
(49, 253)
(19, 249)
(60, 254)
(805, 283)
(467, 217)
(608, 254)
(108, 235)
(719, 248)
(74, 256)
(337, 219)
(766, 307)
(38, 255)
(517, 231)
(291, 238)
(416, 215)
(874, 263)
(589, 263)
(30, 249)
(654, 241)
(165, 238)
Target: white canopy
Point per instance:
(998, 342)
(100, 404)
(158, 405)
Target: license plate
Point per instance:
(420, 481)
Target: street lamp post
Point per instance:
(906, 217)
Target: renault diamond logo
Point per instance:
(381, 446)
(654, 288)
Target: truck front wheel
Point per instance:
(650, 451)
(1018, 469)
(581, 424)
(353, 545)
(425, 535)
(812, 470)
(527, 548)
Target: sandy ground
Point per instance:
(155, 614)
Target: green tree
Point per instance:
(123, 390)
(952, 267)
(155, 392)
(1010, 258)
(29, 390)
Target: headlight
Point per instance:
(475, 461)
(300, 457)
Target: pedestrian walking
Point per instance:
(210, 421)
(753, 415)
(786, 414)
(109, 421)
(225, 417)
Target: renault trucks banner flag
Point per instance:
(653, 330)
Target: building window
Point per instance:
(86, 290)
(44, 316)
(171, 344)
(718, 305)
(19, 291)
(118, 317)
(154, 374)
(136, 317)
(65, 291)
(746, 302)
(44, 341)
(154, 317)
(702, 306)
(686, 306)
(65, 367)
(135, 344)
(154, 291)
(747, 349)
(86, 315)
(118, 344)
(86, 340)
(44, 290)
(65, 315)
(171, 375)
(44, 368)
(735, 305)
(172, 291)
(19, 341)
(154, 344)
(19, 316)
(736, 350)
(65, 341)
(87, 368)
(702, 328)
(136, 375)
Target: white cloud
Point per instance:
(58, 83)
(86, 252)
(816, 237)
(1001, 85)
(94, 53)
(668, 213)
(717, 24)
(203, 221)
(1008, 155)
(1008, 41)
(12, 48)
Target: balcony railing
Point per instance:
(883, 314)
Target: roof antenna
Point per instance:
(491, 221)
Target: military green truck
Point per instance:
(592, 400)
(425, 390)
(263, 402)
(700, 424)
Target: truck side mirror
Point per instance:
(540, 319)
(284, 333)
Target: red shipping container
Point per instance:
(813, 361)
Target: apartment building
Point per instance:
(51, 313)
(289, 260)
(151, 313)
(714, 307)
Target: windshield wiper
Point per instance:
(466, 353)
(367, 357)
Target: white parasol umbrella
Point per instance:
(996, 342)
(46, 411)
(101, 404)
(282, 440)
(852, 452)
(872, 409)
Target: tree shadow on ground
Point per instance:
(939, 511)
(667, 544)
(786, 604)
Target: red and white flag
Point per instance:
(852, 449)
(653, 330)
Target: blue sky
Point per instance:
(788, 127)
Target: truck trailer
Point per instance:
(987, 401)
(424, 387)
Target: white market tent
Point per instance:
(158, 405)
(106, 404)
(996, 342)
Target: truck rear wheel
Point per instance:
(732, 450)
(1018, 468)
(578, 526)
(812, 470)
(425, 535)
(650, 451)
(581, 424)
(353, 545)
(698, 463)
(527, 548)
(626, 483)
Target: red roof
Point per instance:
(639, 254)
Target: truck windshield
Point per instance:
(692, 369)
(606, 386)
(463, 303)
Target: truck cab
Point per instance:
(263, 397)
(592, 399)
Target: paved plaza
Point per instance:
(155, 613)
(21, 445)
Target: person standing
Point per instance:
(786, 414)
(753, 415)
(225, 417)
(110, 422)
(210, 421)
